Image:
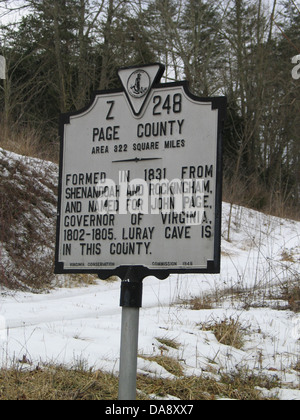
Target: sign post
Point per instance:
(2, 67)
(140, 191)
(131, 302)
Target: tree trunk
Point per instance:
(104, 79)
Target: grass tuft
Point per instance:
(228, 332)
(172, 365)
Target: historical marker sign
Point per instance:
(140, 180)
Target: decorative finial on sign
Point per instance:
(138, 82)
(2, 67)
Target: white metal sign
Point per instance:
(140, 180)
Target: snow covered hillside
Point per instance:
(27, 216)
(257, 291)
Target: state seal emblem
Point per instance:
(138, 83)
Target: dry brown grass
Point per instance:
(291, 293)
(59, 383)
(199, 303)
(56, 383)
(297, 367)
(171, 365)
(168, 342)
(228, 332)
(252, 194)
(26, 141)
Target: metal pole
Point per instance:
(2, 68)
(128, 354)
(131, 301)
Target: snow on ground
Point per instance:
(82, 325)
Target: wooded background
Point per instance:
(63, 50)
